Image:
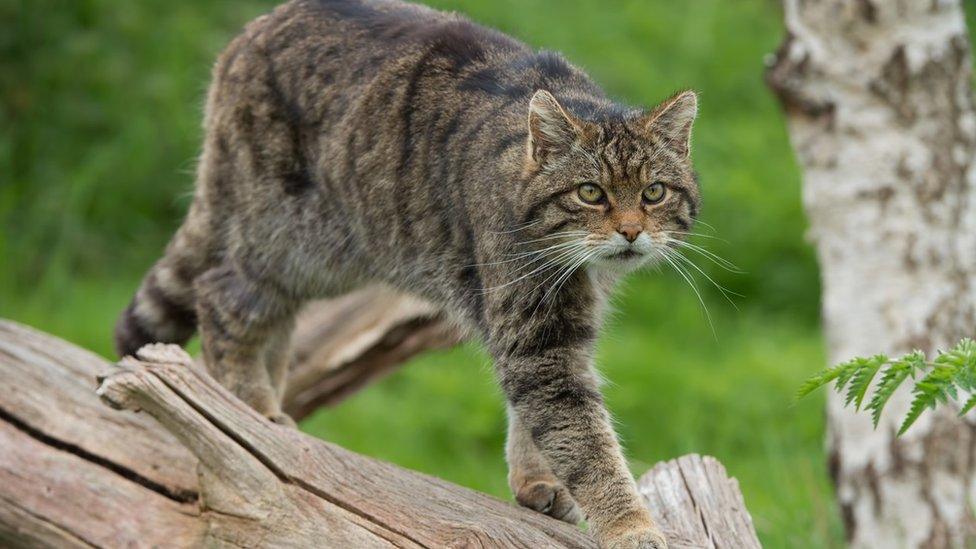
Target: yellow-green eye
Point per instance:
(655, 193)
(590, 193)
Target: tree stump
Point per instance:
(699, 504)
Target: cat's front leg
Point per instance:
(553, 390)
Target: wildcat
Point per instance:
(376, 141)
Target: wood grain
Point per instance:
(199, 467)
(341, 345)
(699, 504)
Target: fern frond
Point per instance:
(893, 376)
(938, 386)
(949, 377)
(847, 372)
(861, 379)
(819, 379)
(962, 357)
(966, 353)
(918, 406)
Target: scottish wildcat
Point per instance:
(376, 141)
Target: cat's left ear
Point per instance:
(672, 120)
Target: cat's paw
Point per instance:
(550, 498)
(642, 539)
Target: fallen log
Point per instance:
(340, 345)
(200, 467)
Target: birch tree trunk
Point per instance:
(879, 104)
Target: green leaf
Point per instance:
(861, 379)
(930, 390)
(968, 405)
(819, 379)
(891, 379)
(847, 372)
(918, 406)
(949, 377)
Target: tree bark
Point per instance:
(879, 104)
(202, 469)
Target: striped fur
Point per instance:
(375, 141)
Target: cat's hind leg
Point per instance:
(277, 360)
(243, 323)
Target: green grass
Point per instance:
(100, 107)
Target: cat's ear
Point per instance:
(672, 120)
(552, 130)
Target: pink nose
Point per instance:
(630, 231)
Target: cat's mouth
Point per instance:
(625, 255)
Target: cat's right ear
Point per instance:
(552, 130)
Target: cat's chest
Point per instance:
(604, 283)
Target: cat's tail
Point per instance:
(164, 308)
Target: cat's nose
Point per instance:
(630, 231)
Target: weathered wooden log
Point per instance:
(342, 344)
(698, 503)
(275, 484)
(74, 473)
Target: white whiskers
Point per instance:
(539, 261)
(662, 252)
(519, 228)
(671, 253)
(714, 258)
(562, 254)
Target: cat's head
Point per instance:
(616, 192)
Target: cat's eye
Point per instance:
(590, 193)
(655, 193)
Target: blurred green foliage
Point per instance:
(100, 106)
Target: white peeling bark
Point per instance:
(880, 110)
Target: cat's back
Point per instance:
(314, 49)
